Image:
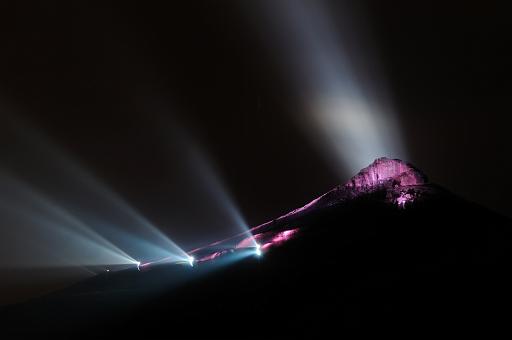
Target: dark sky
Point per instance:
(103, 80)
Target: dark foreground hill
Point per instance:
(387, 250)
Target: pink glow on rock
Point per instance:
(403, 199)
(298, 210)
(284, 236)
(383, 170)
(275, 239)
(247, 242)
(390, 174)
(267, 239)
(212, 256)
(266, 246)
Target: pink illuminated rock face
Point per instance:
(402, 182)
(384, 170)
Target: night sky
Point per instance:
(102, 80)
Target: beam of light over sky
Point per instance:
(39, 233)
(68, 210)
(214, 188)
(203, 202)
(331, 68)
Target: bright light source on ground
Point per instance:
(258, 250)
(191, 260)
(138, 265)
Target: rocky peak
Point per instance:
(384, 170)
